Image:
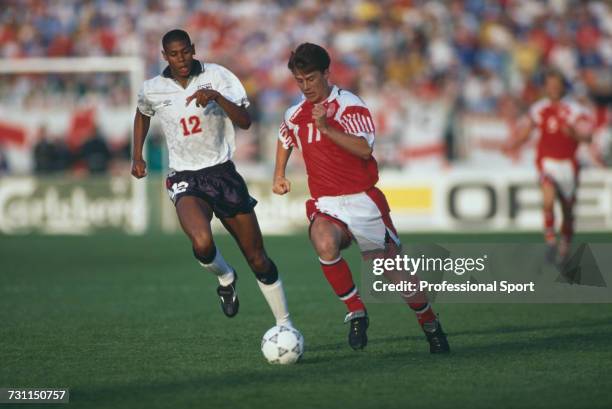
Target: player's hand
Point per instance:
(319, 114)
(139, 168)
(281, 185)
(568, 130)
(202, 97)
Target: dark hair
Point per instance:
(175, 35)
(554, 72)
(308, 58)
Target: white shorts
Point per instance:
(562, 172)
(365, 215)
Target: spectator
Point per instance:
(95, 154)
(494, 49)
(44, 154)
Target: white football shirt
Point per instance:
(196, 137)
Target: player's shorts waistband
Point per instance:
(228, 165)
(348, 195)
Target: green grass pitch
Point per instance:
(131, 322)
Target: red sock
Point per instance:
(424, 312)
(340, 278)
(549, 226)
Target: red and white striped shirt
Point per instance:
(332, 170)
(550, 118)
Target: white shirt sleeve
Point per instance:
(582, 118)
(578, 113)
(357, 120)
(285, 135)
(534, 113)
(144, 105)
(230, 87)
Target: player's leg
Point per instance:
(419, 303)
(567, 225)
(567, 197)
(549, 193)
(245, 230)
(377, 235)
(194, 215)
(328, 238)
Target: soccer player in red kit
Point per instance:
(562, 124)
(334, 130)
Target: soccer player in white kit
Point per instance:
(198, 105)
(334, 130)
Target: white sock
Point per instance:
(220, 268)
(275, 296)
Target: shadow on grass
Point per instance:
(585, 338)
(417, 336)
(331, 361)
(343, 346)
(541, 326)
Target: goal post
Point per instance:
(133, 68)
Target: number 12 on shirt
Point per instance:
(194, 124)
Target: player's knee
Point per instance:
(258, 261)
(203, 249)
(548, 205)
(327, 247)
(269, 275)
(568, 213)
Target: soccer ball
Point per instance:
(282, 345)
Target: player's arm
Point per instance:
(280, 184)
(141, 127)
(237, 113)
(352, 143)
(579, 133)
(521, 138)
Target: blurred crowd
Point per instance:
(478, 57)
(93, 155)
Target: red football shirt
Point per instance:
(332, 171)
(550, 118)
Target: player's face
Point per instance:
(554, 87)
(314, 85)
(179, 55)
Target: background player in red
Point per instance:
(562, 124)
(334, 130)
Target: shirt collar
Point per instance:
(333, 94)
(196, 69)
